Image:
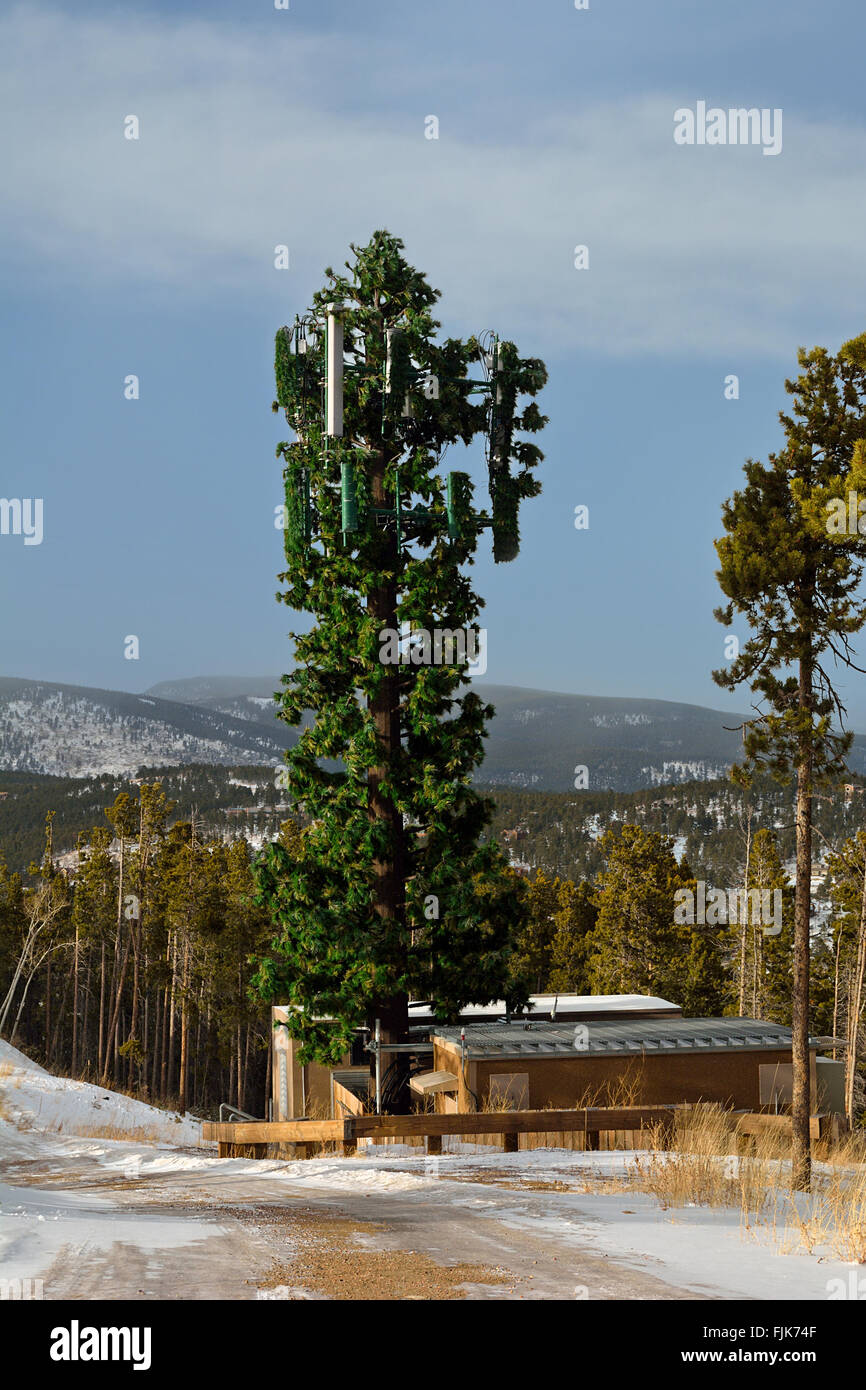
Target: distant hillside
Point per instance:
(76, 731)
(225, 799)
(199, 690)
(241, 697)
(538, 738)
(535, 742)
(559, 832)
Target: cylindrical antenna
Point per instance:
(389, 357)
(349, 504)
(397, 368)
(334, 381)
(451, 508)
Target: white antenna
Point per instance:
(389, 352)
(334, 386)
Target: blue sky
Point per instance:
(306, 127)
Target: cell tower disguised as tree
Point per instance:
(390, 891)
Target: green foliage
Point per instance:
(793, 577)
(399, 805)
(551, 951)
(767, 959)
(533, 946)
(234, 799)
(187, 950)
(575, 919)
(637, 946)
(847, 881)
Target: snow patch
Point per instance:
(33, 1099)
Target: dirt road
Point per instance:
(220, 1233)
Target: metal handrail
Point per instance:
(230, 1113)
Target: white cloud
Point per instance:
(248, 141)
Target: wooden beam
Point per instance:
(755, 1124)
(429, 1082)
(254, 1135)
(515, 1121)
(274, 1131)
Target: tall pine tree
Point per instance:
(390, 891)
(790, 564)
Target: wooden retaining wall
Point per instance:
(591, 1128)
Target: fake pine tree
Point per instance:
(391, 890)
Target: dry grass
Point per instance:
(619, 1093)
(850, 1150)
(6, 1070)
(832, 1218)
(499, 1104)
(705, 1166)
(131, 1134)
(702, 1167)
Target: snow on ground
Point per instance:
(705, 1250)
(699, 1248)
(71, 1133)
(31, 1099)
(36, 1226)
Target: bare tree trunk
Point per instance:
(146, 1053)
(204, 1079)
(84, 1066)
(21, 1003)
(197, 1049)
(74, 1063)
(110, 1039)
(855, 1008)
(133, 1023)
(166, 1000)
(244, 1088)
(171, 1013)
(757, 971)
(47, 1011)
(99, 1050)
(184, 1028)
(52, 1052)
(836, 986)
(801, 1153)
(744, 923)
(389, 887)
(25, 959)
(114, 1025)
(42, 911)
(120, 1032)
(157, 1038)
